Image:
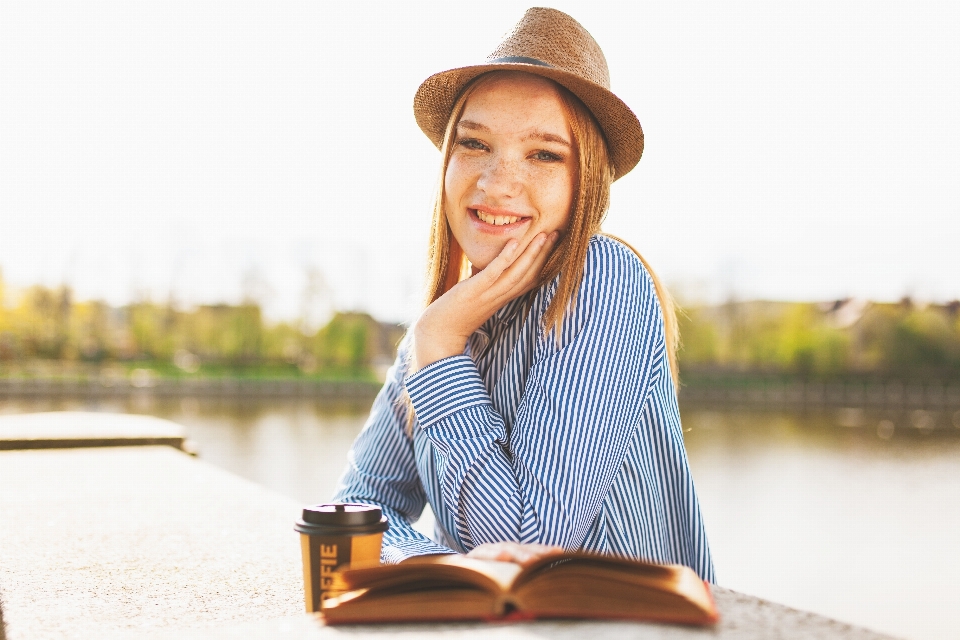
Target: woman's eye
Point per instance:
(546, 156)
(472, 143)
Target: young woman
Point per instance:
(533, 402)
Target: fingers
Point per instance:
(523, 554)
(504, 259)
(532, 272)
(514, 271)
(529, 553)
(487, 552)
(524, 273)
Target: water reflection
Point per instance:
(295, 447)
(848, 512)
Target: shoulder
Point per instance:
(613, 253)
(616, 298)
(615, 274)
(620, 301)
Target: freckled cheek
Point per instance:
(451, 181)
(462, 174)
(556, 201)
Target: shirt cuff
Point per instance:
(401, 550)
(445, 387)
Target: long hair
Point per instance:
(447, 264)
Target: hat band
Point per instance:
(519, 60)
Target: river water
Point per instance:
(850, 513)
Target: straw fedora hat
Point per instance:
(548, 43)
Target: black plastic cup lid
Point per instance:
(342, 515)
(342, 519)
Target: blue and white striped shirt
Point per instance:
(576, 444)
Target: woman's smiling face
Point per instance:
(513, 167)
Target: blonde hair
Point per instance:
(447, 264)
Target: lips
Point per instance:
(497, 219)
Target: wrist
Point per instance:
(429, 348)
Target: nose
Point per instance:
(501, 177)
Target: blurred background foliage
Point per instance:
(824, 340)
(43, 327)
(46, 330)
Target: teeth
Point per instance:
(497, 220)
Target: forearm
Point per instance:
(478, 479)
(381, 470)
(476, 476)
(545, 489)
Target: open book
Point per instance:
(570, 585)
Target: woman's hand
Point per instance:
(445, 326)
(522, 554)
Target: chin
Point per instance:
(479, 265)
(480, 259)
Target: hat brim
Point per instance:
(435, 98)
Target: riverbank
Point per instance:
(187, 387)
(775, 391)
(717, 389)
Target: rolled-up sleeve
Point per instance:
(381, 470)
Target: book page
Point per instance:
(502, 573)
(579, 584)
(647, 572)
(428, 572)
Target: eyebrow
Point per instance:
(536, 134)
(474, 126)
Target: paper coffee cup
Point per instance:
(332, 535)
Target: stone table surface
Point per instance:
(139, 538)
(744, 618)
(148, 542)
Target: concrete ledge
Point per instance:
(68, 429)
(121, 538)
(132, 542)
(744, 618)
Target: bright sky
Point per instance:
(794, 150)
